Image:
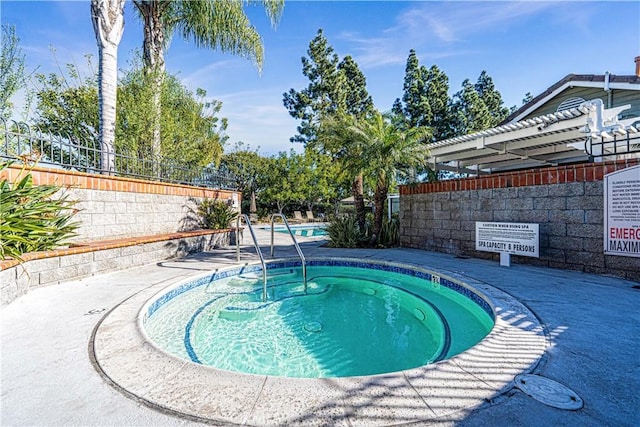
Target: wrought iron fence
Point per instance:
(19, 140)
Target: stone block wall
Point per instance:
(110, 214)
(114, 207)
(567, 202)
(53, 267)
(124, 223)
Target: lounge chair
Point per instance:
(310, 217)
(297, 217)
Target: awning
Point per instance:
(352, 201)
(573, 135)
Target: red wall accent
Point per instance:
(585, 172)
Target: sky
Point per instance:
(524, 46)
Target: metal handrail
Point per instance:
(295, 244)
(247, 221)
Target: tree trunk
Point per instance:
(357, 189)
(379, 200)
(108, 24)
(156, 148)
(153, 56)
(253, 206)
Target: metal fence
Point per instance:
(626, 145)
(19, 141)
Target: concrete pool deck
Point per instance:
(591, 327)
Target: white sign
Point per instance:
(622, 212)
(508, 237)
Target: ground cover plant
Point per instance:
(32, 218)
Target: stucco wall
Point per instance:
(567, 203)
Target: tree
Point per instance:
(211, 24)
(249, 170)
(387, 150)
(108, 24)
(356, 97)
(193, 132)
(67, 108)
(415, 106)
(12, 62)
(335, 137)
(470, 112)
(437, 85)
(283, 186)
(321, 179)
(425, 102)
(321, 68)
(336, 88)
(492, 99)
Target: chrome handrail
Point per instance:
(295, 244)
(247, 221)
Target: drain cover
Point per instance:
(548, 391)
(313, 327)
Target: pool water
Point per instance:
(347, 322)
(306, 231)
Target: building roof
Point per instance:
(577, 134)
(574, 80)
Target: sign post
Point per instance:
(508, 238)
(622, 212)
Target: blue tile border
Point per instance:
(383, 266)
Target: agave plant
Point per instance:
(390, 232)
(215, 214)
(31, 218)
(344, 232)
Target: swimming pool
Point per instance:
(351, 319)
(134, 365)
(304, 230)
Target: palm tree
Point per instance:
(213, 24)
(336, 137)
(108, 24)
(388, 151)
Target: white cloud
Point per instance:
(375, 51)
(451, 22)
(201, 77)
(437, 28)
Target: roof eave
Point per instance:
(569, 81)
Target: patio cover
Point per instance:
(583, 133)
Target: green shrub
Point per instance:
(31, 219)
(390, 233)
(344, 233)
(215, 214)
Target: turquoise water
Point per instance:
(304, 231)
(349, 322)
